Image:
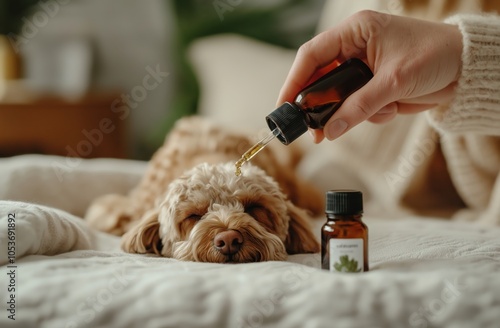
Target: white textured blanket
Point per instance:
(424, 273)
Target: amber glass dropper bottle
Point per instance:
(313, 106)
(316, 103)
(344, 236)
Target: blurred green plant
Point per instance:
(12, 13)
(346, 265)
(286, 23)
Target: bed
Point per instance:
(424, 272)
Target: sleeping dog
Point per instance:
(191, 206)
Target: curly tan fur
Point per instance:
(190, 193)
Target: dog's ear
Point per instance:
(144, 237)
(300, 238)
(110, 213)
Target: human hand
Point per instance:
(416, 64)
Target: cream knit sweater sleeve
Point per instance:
(476, 107)
(470, 124)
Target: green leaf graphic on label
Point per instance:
(346, 265)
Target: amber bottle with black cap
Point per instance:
(344, 237)
(312, 107)
(316, 103)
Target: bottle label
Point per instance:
(346, 255)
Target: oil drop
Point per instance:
(249, 154)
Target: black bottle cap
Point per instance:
(290, 122)
(344, 202)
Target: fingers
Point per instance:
(386, 43)
(361, 105)
(404, 108)
(385, 114)
(317, 135)
(348, 39)
(376, 103)
(311, 56)
(391, 110)
(438, 97)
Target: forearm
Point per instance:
(476, 106)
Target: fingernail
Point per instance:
(311, 133)
(335, 129)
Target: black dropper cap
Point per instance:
(344, 202)
(290, 122)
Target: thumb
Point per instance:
(361, 105)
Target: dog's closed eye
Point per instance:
(194, 217)
(261, 214)
(186, 225)
(253, 208)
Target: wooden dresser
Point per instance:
(86, 127)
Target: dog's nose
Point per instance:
(228, 242)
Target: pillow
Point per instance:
(66, 183)
(240, 79)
